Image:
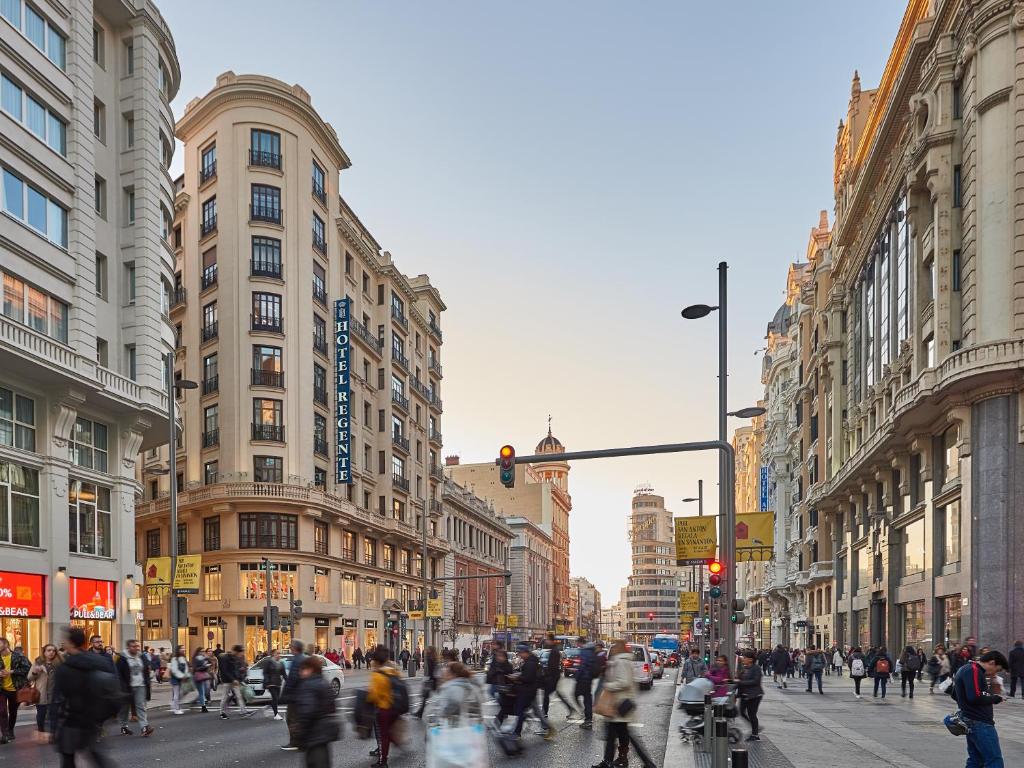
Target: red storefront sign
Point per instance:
(22, 595)
(92, 599)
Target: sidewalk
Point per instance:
(801, 729)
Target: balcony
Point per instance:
(209, 277)
(266, 323)
(399, 317)
(320, 193)
(435, 402)
(178, 298)
(347, 553)
(209, 332)
(811, 534)
(320, 395)
(320, 446)
(261, 378)
(320, 345)
(400, 400)
(402, 443)
(211, 385)
(363, 334)
(821, 571)
(417, 386)
(320, 295)
(262, 159)
(273, 433)
(263, 268)
(400, 360)
(270, 214)
(435, 367)
(435, 330)
(319, 243)
(400, 482)
(207, 172)
(211, 438)
(369, 559)
(436, 472)
(803, 578)
(435, 437)
(435, 506)
(209, 226)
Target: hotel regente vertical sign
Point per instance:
(343, 381)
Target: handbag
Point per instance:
(462, 746)
(248, 694)
(625, 707)
(28, 694)
(187, 686)
(956, 724)
(605, 705)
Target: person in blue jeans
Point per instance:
(814, 666)
(880, 666)
(972, 693)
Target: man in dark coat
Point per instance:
(78, 728)
(1016, 671)
(134, 671)
(780, 663)
(291, 684)
(527, 681)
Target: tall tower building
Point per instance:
(86, 138)
(655, 581)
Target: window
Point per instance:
(182, 538)
(129, 204)
(319, 384)
(265, 204)
(30, 206)
(348, 545)
(211, 426)
(862, 564)
(211, 379)
(37, 29)
(268, 469)
(211, 534)
(319, 334)
(398, 466)
(955, 278)
(916, 479)
(267, 417)
(99, 121)
(266, 312)
(49, 127)
(209, 218)
(88, 446)
(129, 131)
(321, 535)
(397, 307)
(389, 557)
(17, 420)
(320, 478)
(348, 592)
(319, 183)
(321, 584)
(869, 326)
(100, 197)
(129, 59)
(210, 473)
(957, 192)
(319, 234)
(884, 299)
(209, 321)
(912, 615)
(130, 350)
(19, 505)
(253, 581)
(951, 533)
(129, 272)
(265, 530)
(369, 551)
(208, 163)
(209, 268)
(319, 284)
(265, 149)
(913, 548)
(348, 263)
(153, 543)
(267, 366)
(320, 434)
(403, 561)
(266, 257)
(212, 584)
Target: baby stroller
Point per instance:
(691, 700)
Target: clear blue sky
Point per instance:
(569, 175)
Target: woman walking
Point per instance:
(430, 680)
(750, 692)
(273, 678)
(858, 669)
(618, 704)
(379, 695)
(178, 667)
(938, 667)
(201, 676)
(42, 676)
(880, 667)
(719, 674)
(315, 724)
(910, 665)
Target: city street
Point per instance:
(799, 728)
(205, 741)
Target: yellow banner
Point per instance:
(186, 574)
(689, 601)
(499, 620)
(435, 607)
(513, 620)
(755, 537)
(685, 620)
(560, 629)
(695, 540)
(158, 572)
(415, 615)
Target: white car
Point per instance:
(333, 674)
(643, 665)
(658, 665)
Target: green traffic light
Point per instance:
(715, 592)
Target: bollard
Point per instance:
(720, 750)
(709, 725)
(740, 758)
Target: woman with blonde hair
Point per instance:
(617, 704)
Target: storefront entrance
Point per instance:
(22, 607)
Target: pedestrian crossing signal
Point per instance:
(507, 466)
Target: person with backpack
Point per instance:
(389, 695)
(232, 673)
(779, 661)
(133, 669)
(910, 666)
(880, 667)
(90, 692)
(975, 699)
(584, 682)
(814, 667)
(315, 725)
(858, 669)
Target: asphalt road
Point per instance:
(196, 740)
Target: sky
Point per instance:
(570, 174)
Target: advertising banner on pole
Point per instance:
(696, 539)
(186, 574)
(689, 602)
(158, 572)
(755, 537)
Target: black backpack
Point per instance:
(399, 695)
(913, 662)
(107, 694)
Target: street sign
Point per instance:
(415, 615)
(698, 624)
(499, 620)
(186, 574)
(689, 602)
(695, 539)
(263, 566)
(435, 607)
(685, 620)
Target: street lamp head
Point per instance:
(185, 384)
(748, 413)
(695, 311)
(690, 498)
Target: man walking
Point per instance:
(694, 666)
(814, 666)
(584, 682)
(1017, 668)
(780, 662)
(291, 685)
(527, 681)
(133, 669)
(83, 704)
(232, 673)
(971, 691)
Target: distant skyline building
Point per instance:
(655, 581)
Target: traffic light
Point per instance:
(650, 616)
(715, 573)
(507, 466)
(738, 616)
(295, 609)
(271, 617)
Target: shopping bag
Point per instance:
(944, 685)
(187, 686)
(248, 694)
(605, 705)
(462, 746)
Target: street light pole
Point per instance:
(727, 514)
(172, 476)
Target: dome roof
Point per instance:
(550, 443)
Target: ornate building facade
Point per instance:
(655, 580)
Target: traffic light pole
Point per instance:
(270, 606)
(726, 485)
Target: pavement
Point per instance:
(199, 740)
(808, 730)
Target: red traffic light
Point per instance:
(650, 616)
(715, 579)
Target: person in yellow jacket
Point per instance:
(380, 695)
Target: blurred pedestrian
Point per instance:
(1016, 668)
(273, 679)
(89, 691)
(750, 692)
(315, 723)
(14, 669)
(179, 675)
(133, 669)
(202, 675)
(618, 706)
(381, 696)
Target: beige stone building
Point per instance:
(531, 563)
(86, 268)
(541, 495)
(265, 245)
(655, 580)
(751, 576)
(585, 606)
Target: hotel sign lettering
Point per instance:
(342, 373)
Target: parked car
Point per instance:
(643, 667)
(333, 674)
(657, 665)
(570, 661)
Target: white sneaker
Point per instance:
(278, 717)
(857, 695)
(178, 712)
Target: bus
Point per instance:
(667, 643)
